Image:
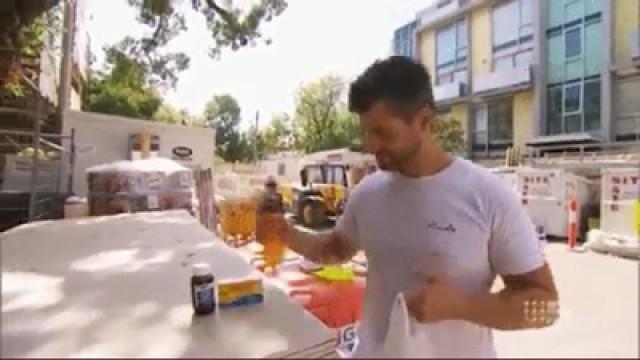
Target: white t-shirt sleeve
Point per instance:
(347, 224)
(514, 246)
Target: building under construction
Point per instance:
(33, 158)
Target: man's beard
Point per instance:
(398, 161)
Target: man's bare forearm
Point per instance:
(327, 247)
(527, 302)
(513, 309)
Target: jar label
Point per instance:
(204, 296)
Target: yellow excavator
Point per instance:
(320, 195)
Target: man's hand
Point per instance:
(437, 300)
(529, 301)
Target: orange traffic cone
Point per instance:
(572, 231)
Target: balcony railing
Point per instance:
(628, 127)
(449, 91)
(586, 156)
(503, 80)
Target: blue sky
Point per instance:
(310, 39)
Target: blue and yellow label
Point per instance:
(240, 293)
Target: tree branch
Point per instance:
(226, 16)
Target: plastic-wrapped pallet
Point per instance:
(140, 185)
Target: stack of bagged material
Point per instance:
(140, 185)
(619, 232)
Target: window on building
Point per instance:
(446, 50)
(592, 99)
(512, 29)
(573, 43)
(501, 122)
(451, 52)
(554, 110)
(282, 168)
(505, 25)
(403, 40)
(493, 126)
(574, 107)
(574, 50)
(480, 129)
(461, 40)
(572, 98)
(526, 18)
(575, 40)
(627, 110)
(593, 47)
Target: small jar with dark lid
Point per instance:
(203, 290)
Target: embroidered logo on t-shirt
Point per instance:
(434, 225)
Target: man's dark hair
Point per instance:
(398, 80)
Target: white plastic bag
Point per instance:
(402, 339)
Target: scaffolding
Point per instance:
(37, 168)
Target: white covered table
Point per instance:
(119, 287)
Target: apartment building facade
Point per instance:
(519, 73)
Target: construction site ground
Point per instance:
(599, 310)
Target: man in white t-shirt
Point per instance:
(434, 227)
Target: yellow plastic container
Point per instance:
(335, 273)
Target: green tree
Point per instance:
(321, 119)
(230, 27)
(30, 39)
(450, 134)
(222, 113)
(197, 121)
(122, 89)
(255, 147)
(278, 136)
(168, 114)
(348, 134)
